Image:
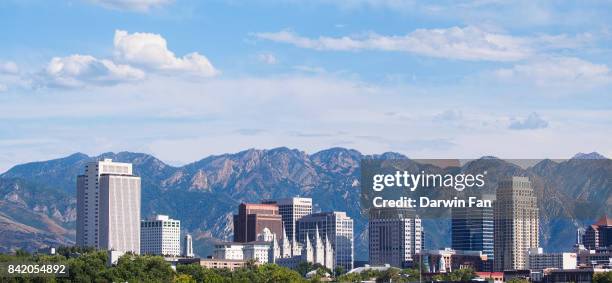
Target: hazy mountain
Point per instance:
(37, 205)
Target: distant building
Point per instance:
(264, 250)
(108, 207)
(572, 275)
(292, 210)
(333, 228)
(538, 260)
(252, 218)
(230, 264)
(447, 260)
(188, 246)
(160, 235)
(516, 223)
(395, 236)
(598, 235)
(472, 230)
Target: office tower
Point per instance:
(395, 236)
(188, 246)
(160, 235)
(108, 207)
(292, 210)
(333, 227)
(598, 235)
(472, 229)
(516, 223)
(253, 218)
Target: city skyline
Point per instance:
(224, 76)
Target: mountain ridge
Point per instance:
(215, 185)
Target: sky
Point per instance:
(182, 80)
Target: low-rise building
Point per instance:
(160, 235)
(538, 260)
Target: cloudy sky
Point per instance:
(185, 79)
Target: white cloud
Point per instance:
(150, 51)
(80, 70)
(3, 88)
(557, 72)
(133, 5)
(267, 58)
(532, 122)
(467, 43)
(9, 67)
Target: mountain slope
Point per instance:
(205, 194)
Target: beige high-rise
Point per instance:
(108, 207)
(516, 223)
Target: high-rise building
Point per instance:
(598, 235)
(395, 236)
(253, 218)
(333, 227)
(472, 229)
(516, 223)
(160, 235)
(108, 207)
(292, 210)
(188, 246)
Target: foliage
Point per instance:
(88, 265)
(602, 277)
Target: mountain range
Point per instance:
(38, 206)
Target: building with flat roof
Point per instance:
(538, 260)
(515, 223)
(395, 236)
(108, 207)
(292, 210)
(335, 228)
(160, 235)
(253, 218)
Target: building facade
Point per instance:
(333, 227)
(598, 235)
(292, 210)
(253, 218)
(472, 229)
(515, 223)
(395, 236)
(108, 207)
(160, 235)
(188, 246)
(538, 260)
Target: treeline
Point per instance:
(88, 265)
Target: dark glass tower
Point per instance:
(472, 230)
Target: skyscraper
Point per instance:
(188, 246)
(516, 223)
(292, 210)
(253, 218)
(160, 235)
(333, 227)
(108, 207)
(395, 236)
(598, 235)
(472, 229)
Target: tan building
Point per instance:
(230, 264)
(108, 207)
(516, 224)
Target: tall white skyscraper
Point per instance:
(108, 207)
(516, 223)
(395, 236)
(335, 228)
(188, 246)
(292, 210)
(160, 235)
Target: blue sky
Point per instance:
(186, 79)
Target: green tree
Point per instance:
(518, 280)
(602, 277)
